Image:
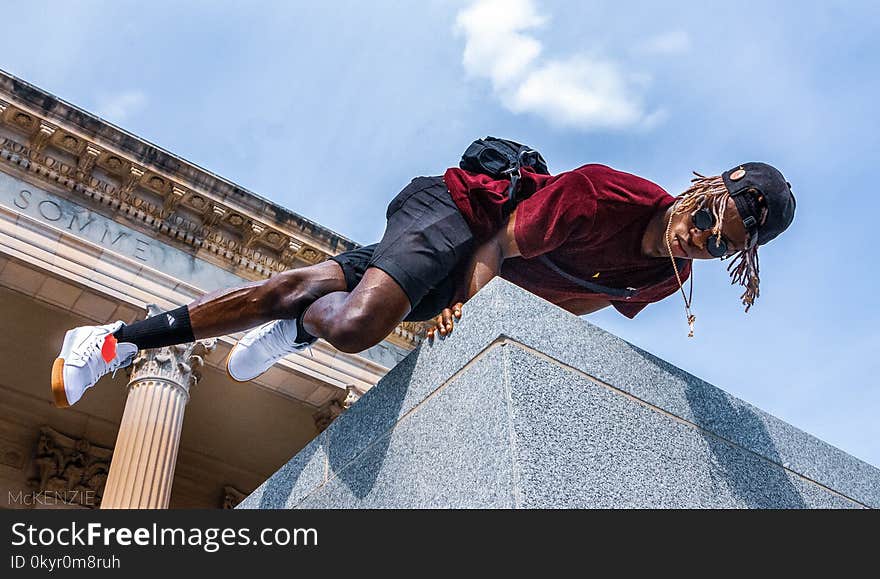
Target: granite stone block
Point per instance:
(581, 445)
(526, 405)
(461, 439)
(300, 476)
(407, 384)
(508, 310)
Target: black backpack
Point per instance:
(503, 159)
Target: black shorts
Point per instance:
(424, 249)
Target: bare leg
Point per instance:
(354, 321)
(282, 296)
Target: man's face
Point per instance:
(687, 241)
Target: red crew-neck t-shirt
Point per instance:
(589, 221)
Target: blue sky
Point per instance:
(330, 108)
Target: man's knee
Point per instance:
(353, 332)
(365, 316)
(358, 326)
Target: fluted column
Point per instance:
(142, 468)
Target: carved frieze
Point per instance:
(68, 142)
(113, 164)
(235, 220)
(212, 215)
(69, 469)
(172, 201)
(309, 254)
(275, 240)
(40, 139)
(182, 215)
(156, 183)
(21, 121)
(253, 234)
(206, 234)
(131, 180)
(231, 497)
(413, 331)
(326, 415)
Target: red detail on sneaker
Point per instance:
(108, 350)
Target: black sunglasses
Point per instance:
(704, 219)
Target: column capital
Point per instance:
(177, 365)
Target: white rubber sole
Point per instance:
(246, 380)
(241, 380)
(59, 392)
(228, 372)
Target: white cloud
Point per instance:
(496, 46)
(118, 107)
(581, 91)
(666, 44)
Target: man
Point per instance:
(584, 240)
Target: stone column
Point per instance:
(145, 455)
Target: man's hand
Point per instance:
(444, 322)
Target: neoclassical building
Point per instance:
(96, 225)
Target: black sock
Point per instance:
(301, 334)
(165, 329)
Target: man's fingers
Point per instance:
(438, 323)
(450, 321)
(445, 321)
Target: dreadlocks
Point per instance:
(710, 192)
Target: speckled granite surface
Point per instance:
(526, 406)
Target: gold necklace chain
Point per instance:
(691, 318)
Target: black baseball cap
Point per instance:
(757, 185)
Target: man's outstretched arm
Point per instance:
(485, 264)
(486, 261)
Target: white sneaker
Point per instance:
(88, 353)
(259, 349)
